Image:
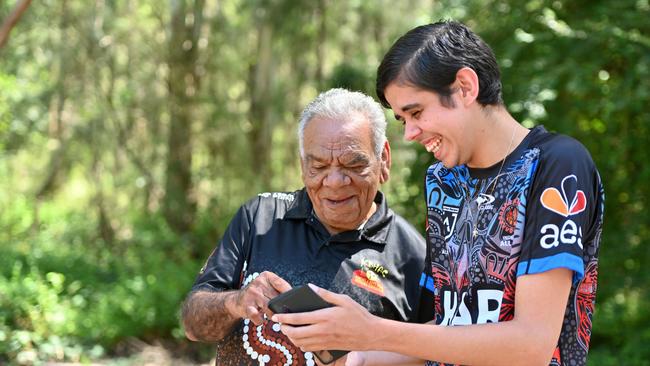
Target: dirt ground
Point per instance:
(141, 354)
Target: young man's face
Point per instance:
(341, 172)
(443, 131)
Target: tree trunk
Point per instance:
(57, 165)
(259, 86)
(320, 46)
(180, 204)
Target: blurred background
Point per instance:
(130, 132)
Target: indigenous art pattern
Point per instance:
(477, 248)
(266, 344)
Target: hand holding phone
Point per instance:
(303, 299)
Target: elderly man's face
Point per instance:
(341, 172)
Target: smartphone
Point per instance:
(303, 299)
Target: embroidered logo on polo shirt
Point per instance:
(278, 195)
(368, 277)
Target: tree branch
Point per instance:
(10, 22)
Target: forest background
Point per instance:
(130, 132)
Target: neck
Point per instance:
(498, 135)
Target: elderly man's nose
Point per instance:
(336, 178)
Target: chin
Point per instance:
(448, 163)
(343, 225)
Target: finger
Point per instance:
(354, 358)
(268, 312)
(254, 315)
(264, 308)
(253, 296)
(329, 296)
(343, 361)
(259, 292)
(310, 317)
(271, 284)
(296, 335)
(340, 362)
(279, 284)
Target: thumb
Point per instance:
(329, 296)
(279, 284)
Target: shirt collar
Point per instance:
(374, 230)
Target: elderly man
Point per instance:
(337, 232)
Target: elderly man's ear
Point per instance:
(385, 163)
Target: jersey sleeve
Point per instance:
(561, 211)
(222, 271)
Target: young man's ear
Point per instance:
(385, 163)
(467, 81)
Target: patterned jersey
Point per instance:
(486, 228)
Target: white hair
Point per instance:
(339, 104)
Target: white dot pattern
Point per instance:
(263, 359)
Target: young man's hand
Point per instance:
(335, 327)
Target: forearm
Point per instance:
(210, 316)
(506, 343)
(380, 358)
(528, 339)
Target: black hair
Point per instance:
(429, 56)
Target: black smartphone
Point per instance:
(303, 299)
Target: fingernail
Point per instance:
(313, 287)
(274, 318)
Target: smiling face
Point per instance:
(341, 172)
(443, 131)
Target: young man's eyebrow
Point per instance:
(410, 106)
(406, 108)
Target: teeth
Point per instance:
(433, 145)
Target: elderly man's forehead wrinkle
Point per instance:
(343, 145)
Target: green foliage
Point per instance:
(64, 296)
(353, 78)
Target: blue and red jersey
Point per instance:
(486, 227)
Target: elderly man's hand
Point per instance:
(253, 299)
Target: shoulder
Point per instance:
(565, 164)
(270, 202)
(406, 233)
(276, 198)
(561, 149)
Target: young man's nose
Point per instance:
(411, 131)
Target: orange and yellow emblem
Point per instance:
(368, 277)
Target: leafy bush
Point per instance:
(65, 295)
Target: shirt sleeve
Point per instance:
(561, 211)
(223, 269)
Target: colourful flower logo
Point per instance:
(560, 203)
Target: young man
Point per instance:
(514, 218)
(337, 232)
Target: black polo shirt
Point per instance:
(379, 266)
